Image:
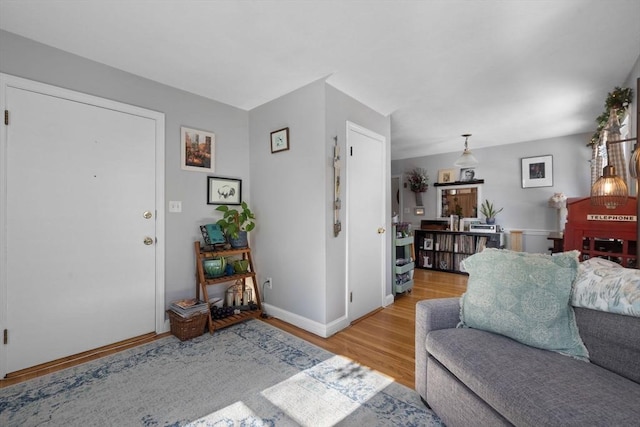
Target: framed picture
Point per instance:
(280, 140)
(198, 150)
(224, 191)
(537, 171)
(428, 244)
(446, 176)
(467, 174)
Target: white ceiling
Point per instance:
(504, 70)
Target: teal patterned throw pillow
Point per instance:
(524, 297)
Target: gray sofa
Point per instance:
(471, 377)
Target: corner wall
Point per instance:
(288, 189)
(292, 193)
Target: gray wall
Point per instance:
(340, 109)
(524, 208)
(28, 59)
(288, 189)
(292, 193)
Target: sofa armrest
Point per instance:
(431, 315)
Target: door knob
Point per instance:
(147, 214)
(381, 230)
(148, 241)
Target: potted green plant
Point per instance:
(235, 224)
(489, 211)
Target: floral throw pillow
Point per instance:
(524, 297)
(607, 286)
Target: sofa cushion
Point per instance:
(525, 297)
(447, 396)
(530, 386)
(613, 341)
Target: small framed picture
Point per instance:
(537, 171)
(446, 176)
(280, 140)
(467, 174)
(198, 150)
(428, 244)
(224, 191)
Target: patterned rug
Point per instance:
(250, 374)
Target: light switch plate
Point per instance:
(175, 206)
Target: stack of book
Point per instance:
(189, 307)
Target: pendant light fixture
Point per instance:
(466, 160)
(610, 190)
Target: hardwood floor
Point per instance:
(383, 340)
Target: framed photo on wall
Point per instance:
(224, 191)
(446, 176)
(467, 174)
(198, 150)
(537, 171)
(280, 140)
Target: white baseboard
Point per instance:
(166, 327)
(312, 326)
(389, 299)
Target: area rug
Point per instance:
(249, 374)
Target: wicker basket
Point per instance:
(185, 329)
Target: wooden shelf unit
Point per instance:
(445, 250)
(202, 282)
(596, 231)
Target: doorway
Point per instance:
(365, 221)
(82, 223)
(396, 198)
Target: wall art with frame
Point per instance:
(198, 150)
(280, 140)
(467, 174)
(446, 176)
(224, 191)
(537, 171)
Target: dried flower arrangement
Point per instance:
(418, 180)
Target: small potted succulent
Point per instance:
(489, 211)
(235, 223)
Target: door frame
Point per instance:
(400, 197)
(10, 81)
(385, 182)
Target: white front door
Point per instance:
(80, 201)
(365, 221)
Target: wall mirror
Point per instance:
(463, 200)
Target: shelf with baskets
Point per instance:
(403, 262)
(445, 250)
(244, 301)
